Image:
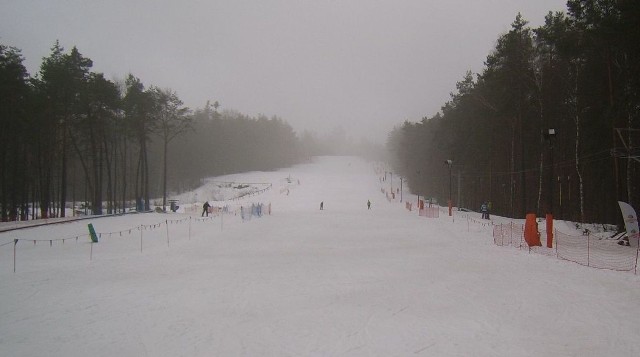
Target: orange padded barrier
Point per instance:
(549, 230)
(531, 231)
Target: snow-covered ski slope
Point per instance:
(345, 281)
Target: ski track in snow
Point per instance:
(344, 281)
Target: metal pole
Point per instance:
(635, 271)
(450, 186)
(450, 183)
(15, 243)
(588, 249)
(459, 184)
(560, 187)
(557, 242)
(551, 180)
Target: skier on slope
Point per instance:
(205, 209)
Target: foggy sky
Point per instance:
(363, 65)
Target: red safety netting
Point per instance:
(585, 250)
(429, 212)
(509, 234)
(597, 253)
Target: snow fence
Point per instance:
(143, 234)
(584, 250)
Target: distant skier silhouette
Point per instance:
(321, 205)
(205, 209)
(368, 204)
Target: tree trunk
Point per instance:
(63, 172)
(580, 180)
(164, 176)
(124, 174)
(147, 206)
(99, 183)
(629, 159)
(523, 165)
(576, 110)
(138, 188)
(107, 162)
(512, 167)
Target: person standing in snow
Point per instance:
(368, 204)
(321, 205)
(205, 209)
(485, 210)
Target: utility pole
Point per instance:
(551, 135)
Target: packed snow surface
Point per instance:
(344, 281)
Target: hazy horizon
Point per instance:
(361, 65)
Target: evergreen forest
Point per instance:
(71, 137)
(550, 125)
